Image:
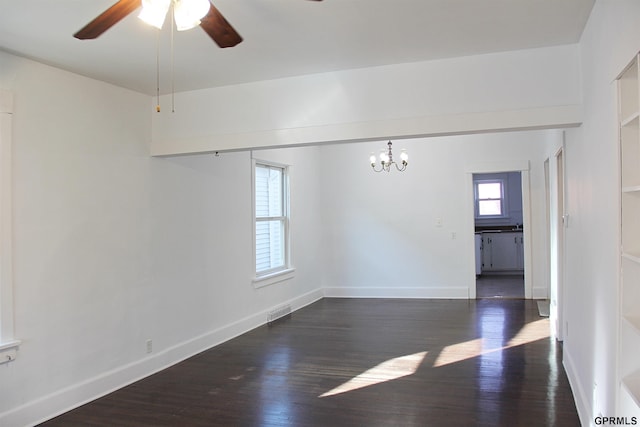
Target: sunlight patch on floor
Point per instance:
(403, 366)
(454, 353)
(530, 332)
(388, 370)
(458, 352)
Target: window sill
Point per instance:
(481, 217)
(272, 278)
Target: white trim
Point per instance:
(503, 198)
(539, 293)
(498, 166)
(6, 221)
(583, 404)
(10, 345)
(287, 267)
(559, 270)
(276, 277)
(526, 232)
(523, 167)
(408, 127)
(61, 401)
(455, 292)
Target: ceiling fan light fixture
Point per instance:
(188, 13)
(154, 12)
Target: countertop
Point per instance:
(498, 229)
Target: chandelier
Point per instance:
(386, 160)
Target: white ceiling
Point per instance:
(284, 38)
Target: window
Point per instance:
(271, 203)
(490, 198)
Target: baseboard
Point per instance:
(397, 292)
(539, 293)
(583, 404)
(61, 401)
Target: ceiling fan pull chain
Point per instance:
(173, 89)
(158, 72)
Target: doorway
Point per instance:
(498, 219)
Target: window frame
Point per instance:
(503, 197)
(7, 337)
(285, 271)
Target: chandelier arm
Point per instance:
(401, 169)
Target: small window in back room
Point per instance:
(489, 198)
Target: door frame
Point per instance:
(547, 227)
(497, 167)
(560, 220)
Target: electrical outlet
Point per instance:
(149, 346)
(438, 222)
(453, 235)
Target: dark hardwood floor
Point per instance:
(361, 362)
(500, 286)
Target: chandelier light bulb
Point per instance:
(384, 157)
(372, 159)
(404, 156)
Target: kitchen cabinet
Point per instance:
(502, 251)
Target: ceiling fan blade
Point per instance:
(219, 29)
(107, 19)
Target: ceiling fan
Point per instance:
(187, 14)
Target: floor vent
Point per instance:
(543, 308)
(278, 313)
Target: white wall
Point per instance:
(382, 228)
(509, 90)
(610, 40)
(113, 247)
